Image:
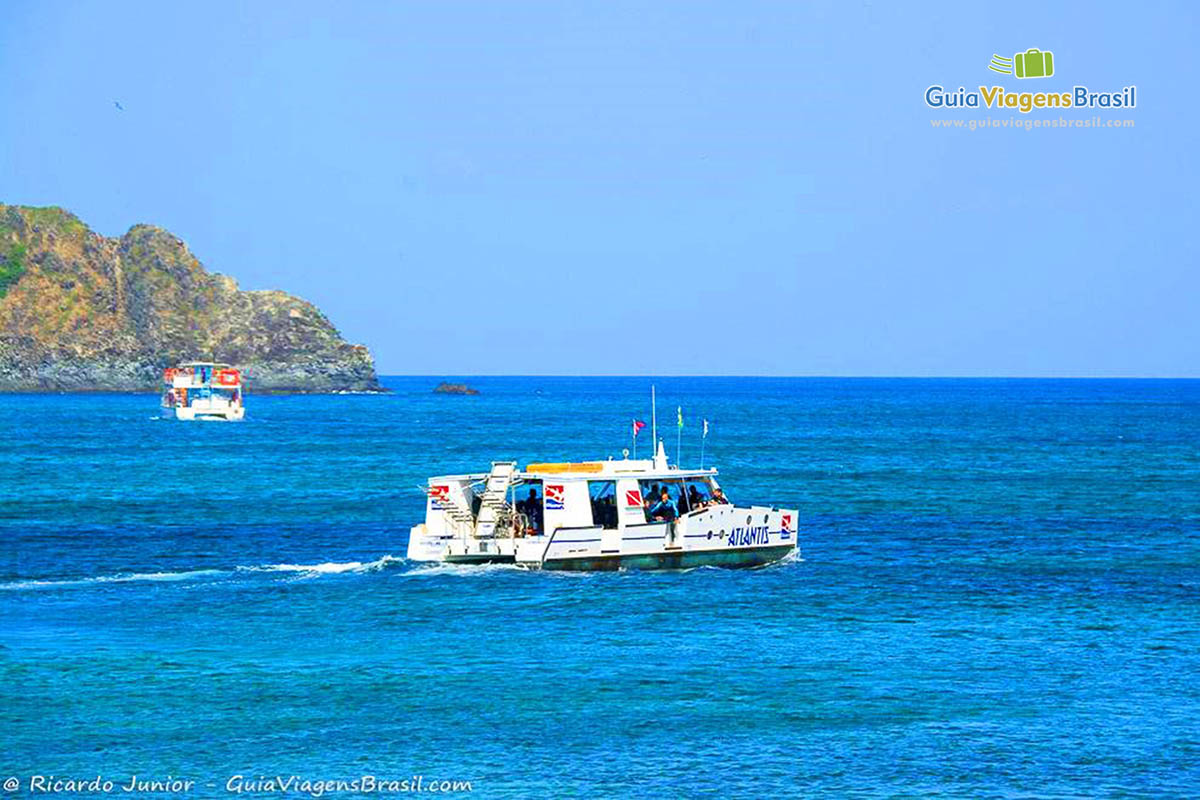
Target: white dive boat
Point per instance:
(597, 515)
(203, 390)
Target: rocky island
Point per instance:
(84, 312)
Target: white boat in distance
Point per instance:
(597, 515)
(202, 390)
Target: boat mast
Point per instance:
(653, 418)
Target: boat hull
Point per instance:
(717, 536)
(681, 559)
(218, 415)
(480, 558)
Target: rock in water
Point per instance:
(454, 388)
(82, 312)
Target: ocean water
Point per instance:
(997, 596)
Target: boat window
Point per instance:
(604, 503)
(659, 508)
(529, 503)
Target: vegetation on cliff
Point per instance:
(80, 311)
(12, 267)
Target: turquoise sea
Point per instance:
(999, 596)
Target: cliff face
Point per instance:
(79, 312)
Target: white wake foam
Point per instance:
(123, 577)
(298, 570)
(329, 567)
(435, 568)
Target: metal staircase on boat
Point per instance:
(493, 507)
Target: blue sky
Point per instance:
(650, 188)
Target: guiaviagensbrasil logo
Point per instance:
(1031, 63)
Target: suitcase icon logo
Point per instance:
(1033, 63)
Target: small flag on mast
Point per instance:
(637, 426)
(679, 435)
(705, 434)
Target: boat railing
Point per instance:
(197, 383)
(460, 529)
(514, 524)
(194, 378)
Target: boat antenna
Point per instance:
(653, 417)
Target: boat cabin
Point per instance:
(544, 497)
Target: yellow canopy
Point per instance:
(580, 466)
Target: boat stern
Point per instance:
(424, 546)
(788, 532)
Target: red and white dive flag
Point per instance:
(440, 496)
(637, 426)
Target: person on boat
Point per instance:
(719, 498)
(664, 509)
(649, 499)
(695, 500)
(522, 514)
(532, 511)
